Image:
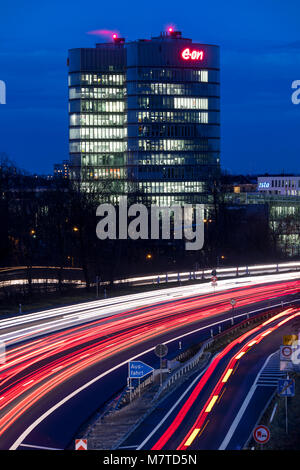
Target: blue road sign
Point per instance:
(286, 387)
(138, 369)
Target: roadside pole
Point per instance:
(130, 383)
(161, 351)
(286, 410)
(233, 304)
(160, 380)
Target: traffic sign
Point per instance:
(233, 302)
(288, 340)
(286, 366)
(138, 369)
(214, 279)
(286, 353)
(161, 350)
(261, 434)
(286, 387)
(80, 444)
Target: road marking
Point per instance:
(173, 407)
(192, 437)
(211, 403)
(128, 447)
(39, 447)
(242, 410)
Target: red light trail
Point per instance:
(36, 368)
(216, 394)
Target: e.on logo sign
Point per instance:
(187, 54)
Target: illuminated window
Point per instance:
(190, 103)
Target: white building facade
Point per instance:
(285, 185)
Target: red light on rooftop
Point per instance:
(115, 36)
(170, 29)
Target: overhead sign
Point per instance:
(286, 353)
(286, 387)
(261, 434)
(138, 369)
(187, 54)
(161, 350)
(80, 444)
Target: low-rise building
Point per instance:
(285, 185)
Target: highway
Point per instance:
(51, 383)
(219, 407)
(31, 325)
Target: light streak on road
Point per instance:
(37, 367)
(16, 329)
(194, 395)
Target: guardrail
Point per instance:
(207, 273)
(189, 365)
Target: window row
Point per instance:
(172, 144)
(169, 172)
(103, 160)
(174, 172)
(96, 93)
(170, 116)
(152, 102)
(163, 88)
(98, 133)
(96, 79)
(172, 187)
(97, 147)
(157, 130)
(170, 159)
(103, 173)
(98, 119)
(103, 106)
(180, 74)
(190, 103)
(277, 183)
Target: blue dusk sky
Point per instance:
(260, 58)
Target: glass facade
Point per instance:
(97, 118)
(143, 116)
(173, 119)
